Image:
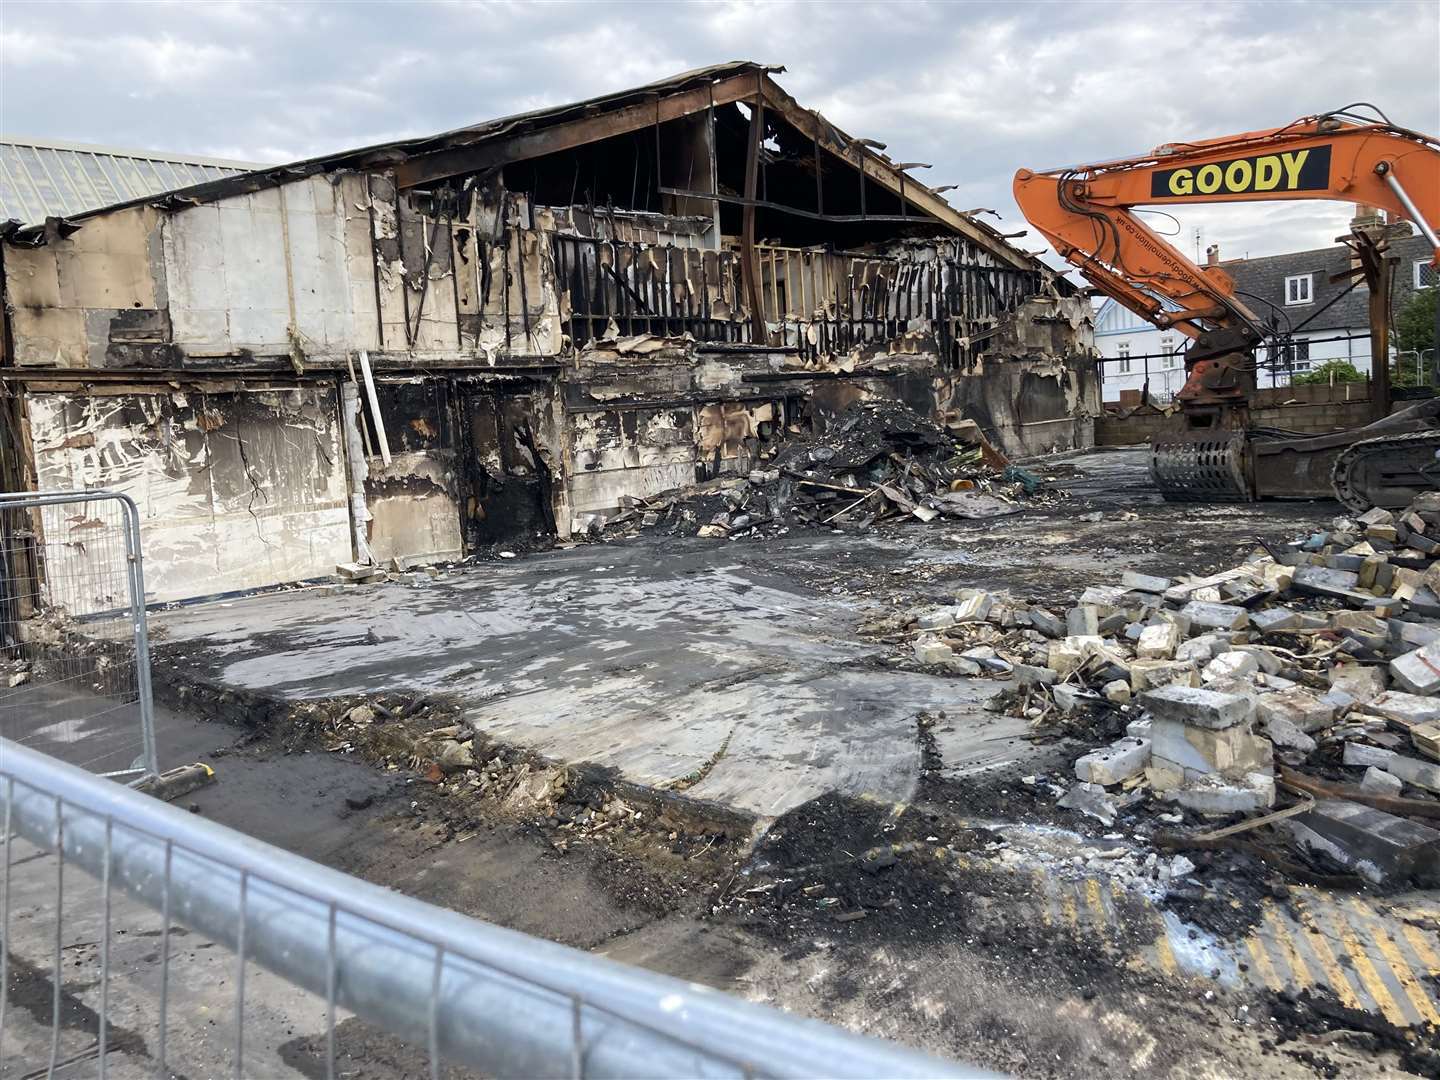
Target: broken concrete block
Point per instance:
(1287, 735)
(1379, 846)
(1131, 581)
(1272, 620)
(1414, 633)
(1198, 751)
(974, 606)
(1229, 665)
(713, 532)
(1362, 682)
(1117, 692)
(1158, 642)
(1298, 707)
(1105, 597)
(1422, 774)
(1426, 739)
(1115, 763)
(1407, 710)
(1364, 627)
(1269, 663)
(361, 714)
(931, 618)
(1377, 781)
(1209, 616)
(1200, 708)
(932, 652)
(1082, 621)
(1376, 516)
(1215, 796)
(1028, 675)
(1093, 800)
(1046, 623)
(1418, 671)
(354, 571)
(1151, 674)
(1361, 755)
(1201, 650)
(1277, 577)
(1069, 698)
(452, 756)
(1067, 654)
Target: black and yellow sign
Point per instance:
(1289, 170)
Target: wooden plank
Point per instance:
(750, 266)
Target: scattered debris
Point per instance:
(880, 461)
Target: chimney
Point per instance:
(1212, 255)
(1366, 217)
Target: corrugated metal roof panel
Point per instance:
(41, 178)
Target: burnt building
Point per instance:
(420, 349)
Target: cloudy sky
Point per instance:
(977, 89)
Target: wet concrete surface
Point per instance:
(676, 664)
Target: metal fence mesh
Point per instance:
(74, 673)
(95, 985)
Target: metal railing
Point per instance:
(464, 992)
(74, 651)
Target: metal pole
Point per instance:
(503, 1002)
(142, 633)
(1387, 173)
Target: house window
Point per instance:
(1426, 276)
(1297, 289)
(1123, 351)
(1167, 346)
(1294, 355)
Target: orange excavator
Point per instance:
(1089, 215)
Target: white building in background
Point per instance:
(1316, 318)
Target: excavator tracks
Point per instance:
(1388, 471)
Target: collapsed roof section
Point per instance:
(724, 140)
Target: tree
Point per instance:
(1415, 339)
(1331, 371)
(1415, 322)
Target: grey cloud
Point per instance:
(977, 89)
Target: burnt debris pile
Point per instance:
(880, 461)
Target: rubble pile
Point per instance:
(881, 460)
(1313, 668)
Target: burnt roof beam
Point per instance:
(521, 146)
(888, 175)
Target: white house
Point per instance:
(1311, 319)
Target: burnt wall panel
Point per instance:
(236, 490)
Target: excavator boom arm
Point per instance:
(1086, 212)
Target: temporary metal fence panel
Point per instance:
(74, 654)
(461, 992)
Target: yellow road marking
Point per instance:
(1418, 941)
(1334, 974)
(1092, 898)
(1166, 954)
(1262, 963)
(1298, 969)
(1067, 906)
(1381, 935)
(1365, 969)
